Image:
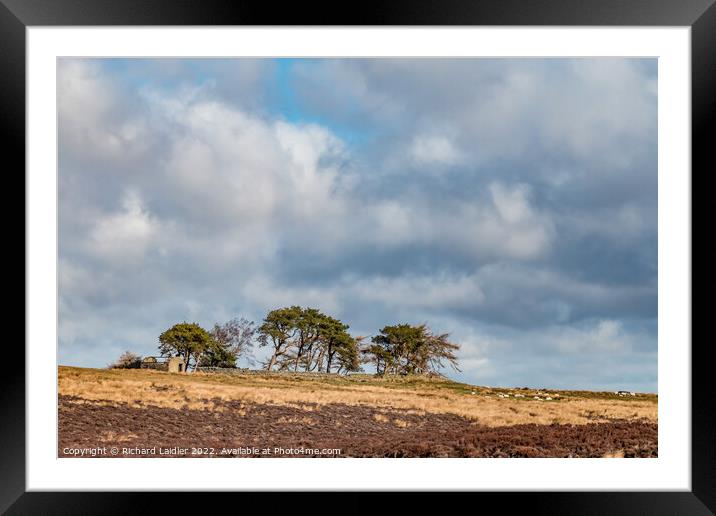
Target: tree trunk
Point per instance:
(272, 362)
(309, 359)
(330, 359)
(315, 358)
(298, 356)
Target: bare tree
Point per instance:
(236, 337)
(126, 360)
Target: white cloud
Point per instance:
(512, 205)
(524, 232)
(233, 168)
(506, 226)
(92, 118)
(124, 237)
(605, 336)
(238, 183)
(427, 150)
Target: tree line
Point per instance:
(305, 339)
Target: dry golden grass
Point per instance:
(114, 437)
(614, 455)
(145, 388)
(400, 423)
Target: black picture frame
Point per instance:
(16, 15)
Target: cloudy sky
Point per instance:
(512, 203)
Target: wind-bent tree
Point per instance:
(395, 344)
(277, 330)
(337, 346)
(377, 355)
(333, 334)
(348, 355)
(406, 349)
(307, 339)
(308, 322)
(186, 340)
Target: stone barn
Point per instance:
(169, 364)
(176, 365)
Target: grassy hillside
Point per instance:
(418, 395)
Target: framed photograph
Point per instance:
(417, 248)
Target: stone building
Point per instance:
(176, 365)
(169, 364)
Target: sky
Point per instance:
(509, 202)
